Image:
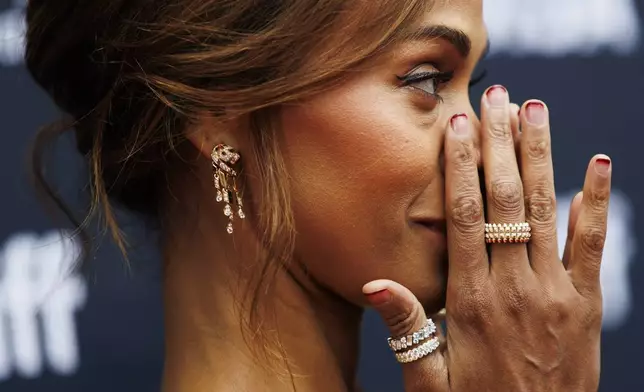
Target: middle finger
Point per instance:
(502, 178)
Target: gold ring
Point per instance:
(507, 233)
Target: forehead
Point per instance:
(464, 15)
(469, 8)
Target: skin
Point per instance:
(380, 182)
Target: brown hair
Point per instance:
(134, 74)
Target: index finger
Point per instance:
(464, 205)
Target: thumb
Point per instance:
(403, 314)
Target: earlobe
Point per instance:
(210, 131)
(214, 139)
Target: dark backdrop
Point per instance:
(104, 332)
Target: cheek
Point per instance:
(357, 157)
(354, 150)
(358, 139)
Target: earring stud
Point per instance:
(225, 172)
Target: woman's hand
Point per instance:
(519, 317)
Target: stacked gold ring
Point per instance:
(502, 233)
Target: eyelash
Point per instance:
(436, 76)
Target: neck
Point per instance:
(314, 334)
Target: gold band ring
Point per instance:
(502, 233)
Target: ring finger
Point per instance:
(502, 179)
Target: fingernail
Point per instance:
(497, 96)
(535, 113)
(379, 297)
(602, 166)
(460, 124)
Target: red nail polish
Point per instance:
(534, 104)
(497, 96)
(535, 113)
(495, 87)
(379, 297)
(602, 166)
(459, 123)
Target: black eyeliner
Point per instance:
(440, 77)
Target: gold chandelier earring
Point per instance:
(225, 171)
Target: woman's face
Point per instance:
(366, 160)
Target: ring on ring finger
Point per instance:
(497, 233)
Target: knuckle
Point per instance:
(592, 241)
(467, 212)
(598, 199)
(403, 322)
(558, 310)
(538, 150)
(506, 197)
(473, 307)
(463, 155)
(516, 298)
(542, 206)
(500, 130)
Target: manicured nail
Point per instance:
(497, 96)
(535, 113)
(379, 297)
(602, 166)
(460, 124)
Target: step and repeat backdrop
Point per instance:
(104, 331)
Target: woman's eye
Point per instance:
(429, 86)
(427, 82)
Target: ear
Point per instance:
(210, 131)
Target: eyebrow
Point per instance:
(457, 38)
